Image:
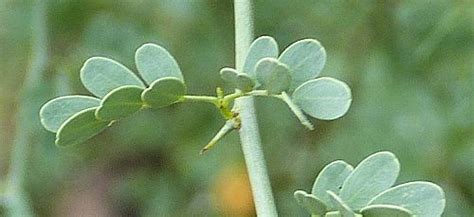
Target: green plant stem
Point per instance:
(249, 132)
(296, 110)
(207, 99)
(222, 102)
(239, 93)
(16, 197)
(228, 98)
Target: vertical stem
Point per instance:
(249, 133)
(16, 199)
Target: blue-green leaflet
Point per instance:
(341, 190)
(120, 92)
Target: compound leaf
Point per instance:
(101, 75)
(305, 59)
(385, 210)
(273, 75)
(79, 128)
(55, 112)
(331, 178)
(164, 92)
(264, 46)
(323, 98)
(154, 62)
(310, 203)
(423, 199)
(373, 175)
(120, 103)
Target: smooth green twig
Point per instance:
(249, 132)
(223, 102)
(296, 110)
(239, 93)
(207, 99)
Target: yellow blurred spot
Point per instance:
(232, 194)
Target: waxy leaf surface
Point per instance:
(154, 62)
(423, 199)
(264, 46)
(340, 205)
(55, 112)
(385, 211)
(273, 75)
(310, 203)
(164, 92)
(79, 128)
(101, 75)
(240, 81)
(376, 173)
(120, 103)
(305, 59)
(323, 98)
(331, 178)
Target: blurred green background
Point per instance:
(410, 65)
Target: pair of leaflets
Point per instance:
(118, 93)
(343, 191)
(292, 75)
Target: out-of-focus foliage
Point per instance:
(341, 189)
(409, 65)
